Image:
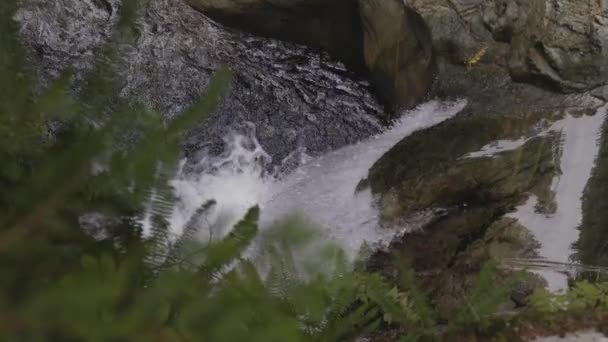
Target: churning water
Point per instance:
(321, 189)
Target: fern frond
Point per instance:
(228, 250)
(158, 243)
(186, 246)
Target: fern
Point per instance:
(484, 299)
(419, 300)
(221, 254)
(158, 243)
(583, 296)
(185, 250)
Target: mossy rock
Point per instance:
(425, 171)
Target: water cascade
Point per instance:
(321, 189)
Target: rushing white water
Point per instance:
(322, 189)
(504, 145)
(583, 336)
(557, 231)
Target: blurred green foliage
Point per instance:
(484, 299)
(110, 299)
(582, 296)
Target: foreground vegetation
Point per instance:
(67, 152)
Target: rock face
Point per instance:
(333, 26)
(296, 98)
(384, 39)
(398, 52)
(515, 62)
(556, 44)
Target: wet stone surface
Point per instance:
(512, 143)
(294, 96)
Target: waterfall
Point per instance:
(321, 189)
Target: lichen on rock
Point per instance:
(559, 45)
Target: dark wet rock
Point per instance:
(464, 181)
(439, 254)
(448, 254)
(383, 39)
(522, 291)
(506, 239)
(333, 26)
(442, 167)
(496, 109)
(297, 98)
(601, 93)
(64, 34)
(433, 166)
(555, 44)
(521, 295)
(398, 52)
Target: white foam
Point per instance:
(322, 190)
(505, 145)
(235, 181)
(583, 336)
(497, 147)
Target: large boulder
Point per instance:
(398, 52)
(385, 40)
